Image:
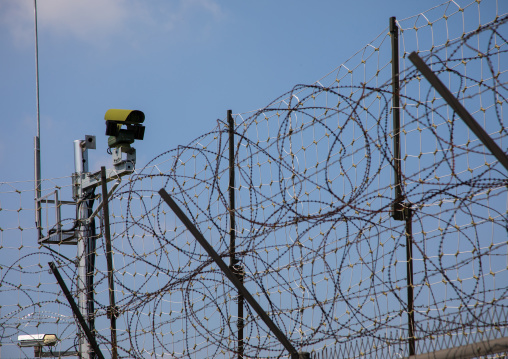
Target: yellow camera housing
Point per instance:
(119, 137)
(125, 116)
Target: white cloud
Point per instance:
(85, 20)
(18, 16)
(96, 21)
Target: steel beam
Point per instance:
(75, 310)
(229, 274)
(460, 110)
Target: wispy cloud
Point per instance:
(96, 21)
(85, 20)
(17, 17)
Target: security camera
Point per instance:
(37, 340)
(120, 137)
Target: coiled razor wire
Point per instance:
(314, 203)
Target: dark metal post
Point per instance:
(459, 109)
(234, 264)
(112, 309)
(75, 310)
(38, 187)
(90, 252)
(229, 274)
(232, 234)
(397, 206)
(401, 211)
(408, 214)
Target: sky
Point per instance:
(183, 63)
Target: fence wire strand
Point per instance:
(314, 229)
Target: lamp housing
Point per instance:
(37, 340)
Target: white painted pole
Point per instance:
(81, 167)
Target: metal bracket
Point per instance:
(238, 270)
(90, 142)
(87, 181)
(401, 211)
(38, 353)
(55, 235)
(100, 205)
(112, 311)
(91, 180)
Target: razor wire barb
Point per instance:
(315, 234)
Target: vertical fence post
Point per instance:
(90, 251)
(112, 311)
(408, 215)
(401, 211)
(397, 207)
(234, 264)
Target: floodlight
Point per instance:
(37, 340)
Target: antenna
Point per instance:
(37, 139)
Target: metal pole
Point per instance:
(37, 144)
(76, 311)
(90, 266)
(37, 70)
(401, 211)
(112, 310)
(410, 284)
(37, 175)
(459, 109)
(232, 234)
(81, 167)
(397, 206)
(234, 264)
(229, 274)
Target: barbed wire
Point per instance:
(315, 235)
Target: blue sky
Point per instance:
(183, 63)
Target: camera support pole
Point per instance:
(81, 168)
